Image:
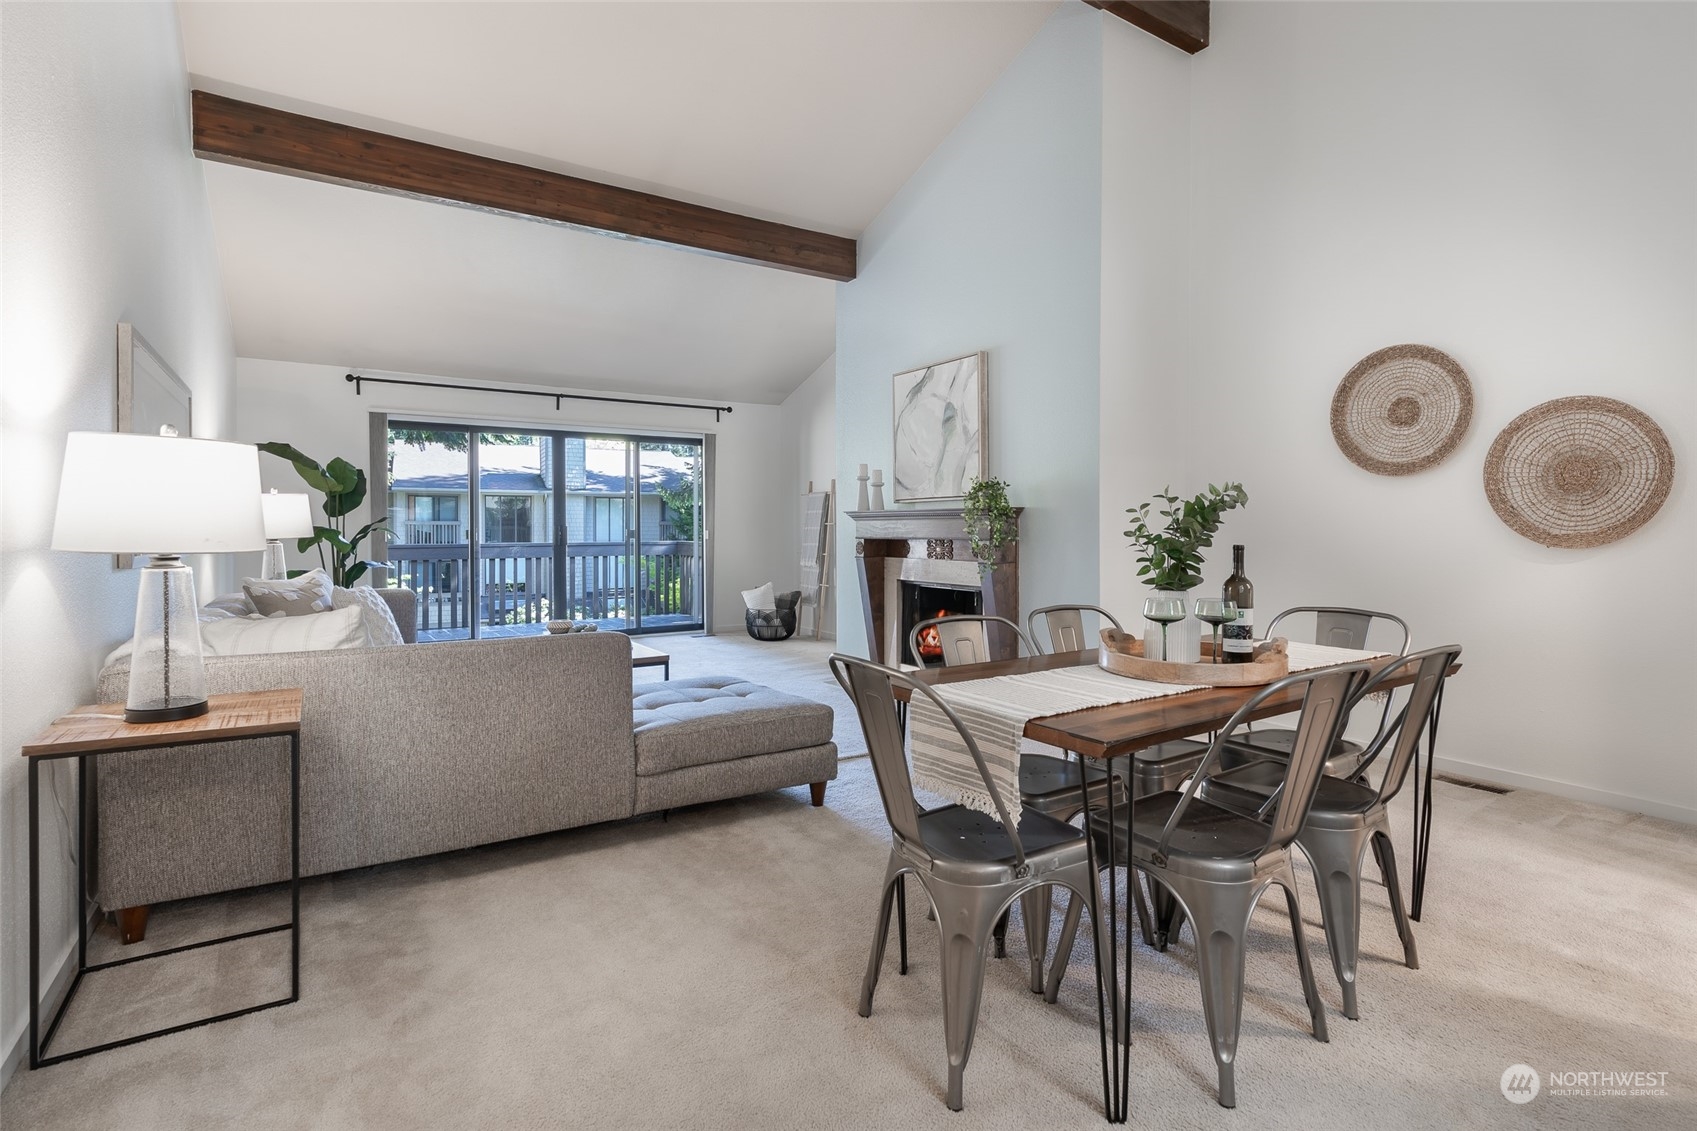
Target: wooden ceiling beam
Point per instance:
(1182, 23)
(243, 133)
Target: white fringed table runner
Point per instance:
(996, 710)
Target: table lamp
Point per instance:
(122, 493)
(286, 516)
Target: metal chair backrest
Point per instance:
(1344, 628)
(1432, 668)
(1066, 626)
(871, 687)
(963, 638)
(1326, 694)
(1340, 627)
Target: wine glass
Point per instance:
(1216, 611)
(1163, 611)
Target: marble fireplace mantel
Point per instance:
(928, 546)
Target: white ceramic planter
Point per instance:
(1184, 639)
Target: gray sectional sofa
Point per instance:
(416, 749)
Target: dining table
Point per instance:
(1106, 733)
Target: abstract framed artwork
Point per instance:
(150, 398)
(939, 429)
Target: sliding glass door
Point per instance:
(501, 532)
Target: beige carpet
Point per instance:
(702, 972)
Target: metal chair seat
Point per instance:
(1338, 803)
(957, 836)
(1051, 785)
(1156, 769)
(1276, 743)
(1211, 844)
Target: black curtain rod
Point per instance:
(557, 397)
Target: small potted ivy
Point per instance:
(1170, 554)
(991, 521)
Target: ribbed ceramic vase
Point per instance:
(1184, 638)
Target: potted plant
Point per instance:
(990, 520)
(1170, 554)
(343, 486)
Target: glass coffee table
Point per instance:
(642, 656)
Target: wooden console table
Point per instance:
(100, 731)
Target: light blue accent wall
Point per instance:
(995, 245)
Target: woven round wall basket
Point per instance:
(1402, 409)
(1578, 472)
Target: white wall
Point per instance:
(314, 408)
(1516, 185)
(1146, 436)
(994, 244)
(810, 432)
(105, 220)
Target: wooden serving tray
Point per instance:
(1122, 654)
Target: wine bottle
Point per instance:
(1239, 644)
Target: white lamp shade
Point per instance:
(122, 493)
(286, 516)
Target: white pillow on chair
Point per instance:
(760, 599)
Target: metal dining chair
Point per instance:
(1046, 783)
(971, 866)
(1164, 766)
(1339, 628)
(1347, 816)
(1064, 626)
(1217, 863)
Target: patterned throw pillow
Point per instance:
(294, 597)
(380, 624)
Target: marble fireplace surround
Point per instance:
(929, 546)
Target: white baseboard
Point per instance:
(1491, 775)
(17, 1045)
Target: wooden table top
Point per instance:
(1111, 731)
(101, 727)
(642, 656)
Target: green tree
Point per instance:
(680, 500)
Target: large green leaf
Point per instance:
(307, 467)
(346, 501)
(344, 473)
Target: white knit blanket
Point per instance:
(996, 710)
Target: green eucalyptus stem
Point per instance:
(1170, 554)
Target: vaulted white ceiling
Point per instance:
(807, 113)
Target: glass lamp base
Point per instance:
(167, 673)
(275, 567)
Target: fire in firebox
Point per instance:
(930, 644)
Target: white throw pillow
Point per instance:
(294, 596)
(761, 598)
(245, 636)
(380, 624)
(235, 604)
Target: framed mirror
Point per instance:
(150, 398)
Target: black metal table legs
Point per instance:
(38, 1055)
(1113, 991)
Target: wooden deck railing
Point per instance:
(517, 582)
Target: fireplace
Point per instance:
(922, 602)
(910, 551)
